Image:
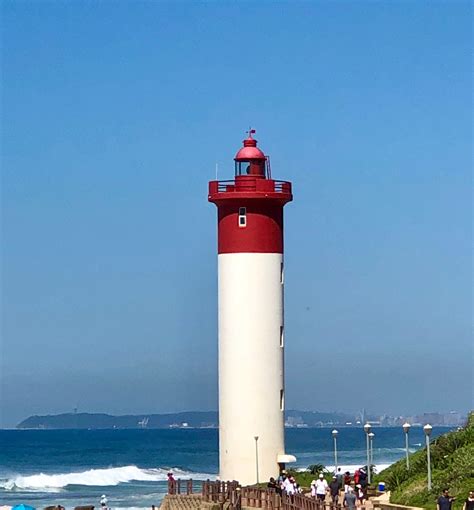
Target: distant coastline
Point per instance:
(182, 420)
(201, 420)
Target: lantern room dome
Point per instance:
(250, 150)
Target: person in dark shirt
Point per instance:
(347, 480)
(350, 499)
(334, 490)
(445, 501)
(469, 503)
(272, 484)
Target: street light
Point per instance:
(256, 457)
(334, 435)
(371, 438)
(406, 429)
(427, 430)
(367, 429)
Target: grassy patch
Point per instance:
(452, 461)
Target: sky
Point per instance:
(114, 115)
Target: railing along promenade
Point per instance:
(180, 487)
(233, 496)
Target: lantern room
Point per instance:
(250, 160)
(253, 179)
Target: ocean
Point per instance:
(75, 467)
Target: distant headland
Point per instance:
(182, 420)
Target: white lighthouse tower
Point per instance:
(251, 322)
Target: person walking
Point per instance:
(321, 487)
(294, 485)
(347, 481)
(171, 483)
(356, 476)
(469, 503)
(281, 477)
(103, 502)
(445, 501)
(350, 499)
(334, 490)
(272, 484)
(289, 486)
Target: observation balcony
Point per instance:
(250, 187)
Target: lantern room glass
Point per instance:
(251, 167)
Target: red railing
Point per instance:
(260, 185)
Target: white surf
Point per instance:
(97, 477)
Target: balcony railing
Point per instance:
(248, 184)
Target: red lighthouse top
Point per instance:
(250, 160)
(252, 177)
(249, 150)
(250, 206)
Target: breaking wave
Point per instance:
(96, 477)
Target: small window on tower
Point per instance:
(282, 400)
(242, 216)
(282, 336)
(282, 275)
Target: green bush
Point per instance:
(452, 461)
(315, 469)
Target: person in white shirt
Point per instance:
(289, 486)
(321, 487)
(103, 502)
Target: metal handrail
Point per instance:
(278, 186)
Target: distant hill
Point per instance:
(452, 459)
(187, 419)
(106, 421)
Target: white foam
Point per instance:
(97, 477)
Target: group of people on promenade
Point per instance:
(355, 488)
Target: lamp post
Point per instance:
(371, 440)
(256, 457)
(406, 429)
(427, 430)
(334, 435)
(367, 429)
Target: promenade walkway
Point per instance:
(232, 496)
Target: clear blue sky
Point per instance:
(114, 115)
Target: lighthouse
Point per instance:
(251, 277)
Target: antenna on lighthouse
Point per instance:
(217, 169)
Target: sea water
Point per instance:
(75, 467)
